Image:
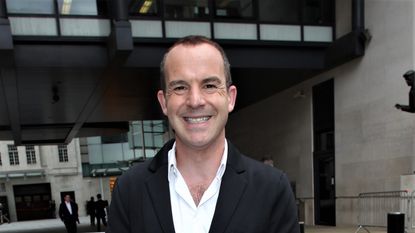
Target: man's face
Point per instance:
(197, 101)
(67, 198)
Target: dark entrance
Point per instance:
(33, 201)
(3, 201)
(324, 173)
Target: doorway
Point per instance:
(323, 155)
(33, 201)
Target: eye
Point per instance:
(179, 89)
(210, 86)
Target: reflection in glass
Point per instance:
(30, 6)
(186, 9)
(234, 8)
(282, 11)
(143, 7)
(318, 11)
(82, 7)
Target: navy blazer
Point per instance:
(253, 198)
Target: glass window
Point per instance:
(120, 138)
(186, 9)
(63, 153)
(318, 11)
(13, 155)
(153, 134)
(143, 7)
(83, 7)
(30, 154)
(282, 11)
(30, 6)
(234, 9)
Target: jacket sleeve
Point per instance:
(118, 217)
(284, 213)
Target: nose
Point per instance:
(195, 98)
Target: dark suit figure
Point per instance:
(100, 207)
(410, 81)
(90, 210)
(253, 197)
(69, 217)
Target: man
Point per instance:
(200, 182)
(68, 212)
(100, 207)
(90, 210)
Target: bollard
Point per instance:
(301, 227)
(396, 222)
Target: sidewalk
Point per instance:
(56, 226)
(47, 225)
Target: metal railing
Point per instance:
(374, 207)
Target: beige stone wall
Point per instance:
(374, 141)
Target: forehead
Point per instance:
(200, 56)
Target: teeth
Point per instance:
(196, 119)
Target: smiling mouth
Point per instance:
(195, 120)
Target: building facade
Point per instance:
(357, 141)
(33, 179)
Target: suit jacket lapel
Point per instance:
(232, 188)
(158, 189)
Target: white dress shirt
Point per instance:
(187, 217)
(68, 205)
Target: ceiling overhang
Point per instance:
(55, 90)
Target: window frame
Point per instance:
(63, 153)
(30, 154)
(13, 155)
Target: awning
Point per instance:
(21, 174)
(108, 171)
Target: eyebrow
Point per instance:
(204, 81)
(211, 80)
(177, 82)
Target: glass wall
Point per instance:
(277, 11)
(284, 11)
(143, 7)
(30, 6)
(186, 9)
(65, 7)
(153, 132)
(318, 11)
(236, 9)
(280, 11)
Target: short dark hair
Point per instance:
(193, 41)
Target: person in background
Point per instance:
(100, 206)
(68, 213)
(90, 210)
(268, 161)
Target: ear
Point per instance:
(231, 98)
(162, 101)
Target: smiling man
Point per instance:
(199, 182)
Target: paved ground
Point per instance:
(351, 229)
(45, 226)
(56, 226)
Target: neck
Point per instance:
(199, 164)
